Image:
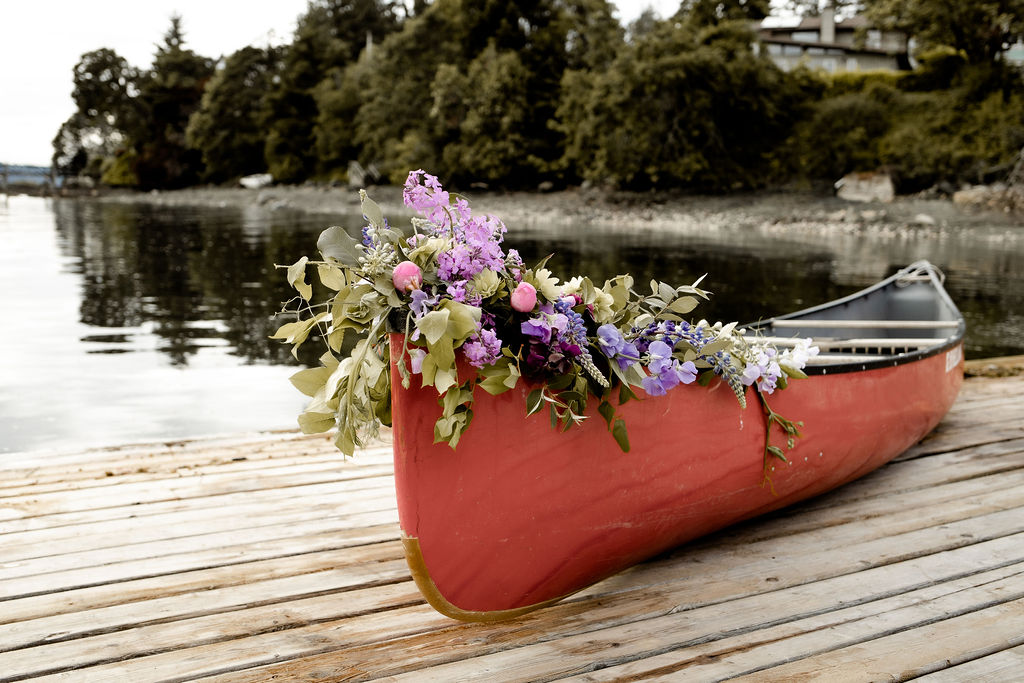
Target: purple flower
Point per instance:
(615, 347)
(457, 290)
(421, 301)
(666, 371)
(764, 370)
(416, 357)
(482, 348)
(537, 328)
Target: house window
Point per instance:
(774, 49)
(851, 64)
(828, 64)
(874, 39)
(792, 50)
(805, 36)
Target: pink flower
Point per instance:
(407, 276)
(524, 298)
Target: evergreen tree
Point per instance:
(328, 36)
(168, 94)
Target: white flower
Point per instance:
(546, 284)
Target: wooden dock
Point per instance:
(273, 559)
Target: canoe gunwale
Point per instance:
(912, 272)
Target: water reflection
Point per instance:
(192, 279)
(149, 322)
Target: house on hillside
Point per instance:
(845, 45)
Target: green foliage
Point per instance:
(841, 136)
(104, 85)
(168, 94)
(119, 170)
(979, 29)
(680, 107)
(712, 12)
(970, 131)
(226, 128)
(515, 92)
(329, 36)
(480, 112)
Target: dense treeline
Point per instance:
(514, 93)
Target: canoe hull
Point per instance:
(521, 514)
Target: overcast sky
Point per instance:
(42, 40)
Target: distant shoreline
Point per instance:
(661, 211)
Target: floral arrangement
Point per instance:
(456, 293)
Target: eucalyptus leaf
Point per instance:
(720, 344)
(336, 243)
(683, 305)
(297, 278)
(371, 210)
(310, 380)
(316, 423)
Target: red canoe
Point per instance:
(521, 515)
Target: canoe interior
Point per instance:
(906, 317)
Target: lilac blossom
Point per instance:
(482, 348)
(475, 240)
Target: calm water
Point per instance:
(125, 323)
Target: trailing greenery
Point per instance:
(516, 93)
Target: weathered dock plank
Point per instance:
(274, 558)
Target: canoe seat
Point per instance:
(865, 324)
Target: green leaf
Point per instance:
(444, 379)
(607, 411)
(534, 401)
(332, 277)
(433, 325)
(683, 305)
(310, 380)
(621, 437)
(335, 243)
(344, 441)
(316, 423)
(371, 210)
(720, 344)
(462, 320)
(297, 278)
(792, 371)
(499, 378)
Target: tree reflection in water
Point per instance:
(206, 277)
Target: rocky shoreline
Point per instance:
(653, 211)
